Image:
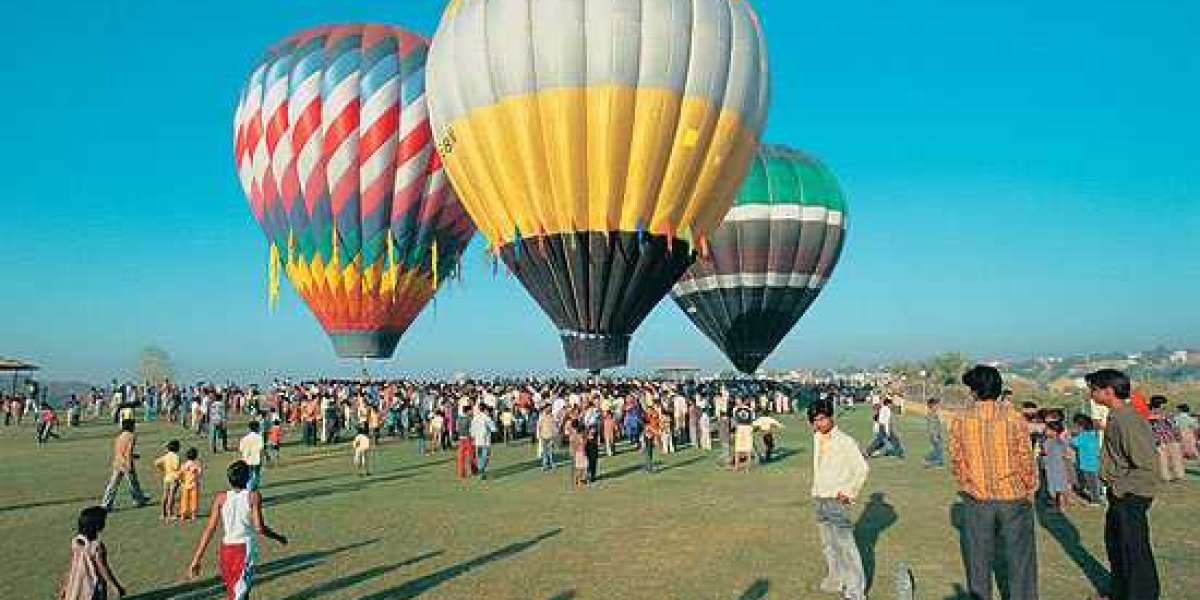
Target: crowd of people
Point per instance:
(1004, 457)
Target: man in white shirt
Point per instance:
(251, 448)
(482, 428)
(839, 472)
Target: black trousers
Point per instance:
(1012, 520)
(1127, 540)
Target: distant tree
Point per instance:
(947, 367)
(907, 369)
(155, 366)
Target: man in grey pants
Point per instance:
(123, 468)
(839, 472)
(993, 463)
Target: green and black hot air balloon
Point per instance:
(770, 258)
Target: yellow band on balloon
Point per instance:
(603, 158)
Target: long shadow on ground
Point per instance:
(290, 482)
(341, 583)
(1067, 535)
(329, 490)
(683, 463)
(876, 517)
(44, 503)
(423, 584)
(262, 573)
(756, 591)
(514, 469)
(564, 595)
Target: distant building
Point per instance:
(1185, 357)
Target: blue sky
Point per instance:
(1023, 178)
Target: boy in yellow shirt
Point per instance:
(168, 465)
(189, 485)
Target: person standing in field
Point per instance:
(743, 444)
(251, 449)
(481, 428)
(609, 424)
(1188, 428)
(991, 458)
(547, 434)
(123, 468)
(362, 448)
(216, 425)
(168, 465)
(189, 485)
(465, 464)
(651, 431)
(1127, 467)
(936, 458)
(90, 575)
(1168, 441)
(705, 431)
(1086, 443)
(839, 473)
(239, 512)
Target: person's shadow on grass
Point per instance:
(756, 591)
(262, 573)
(876, 517)
(1067, 535)
(423, 584)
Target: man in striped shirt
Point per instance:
(992, 461)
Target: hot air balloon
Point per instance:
(769, 260)
(334, 151)
(595, 143)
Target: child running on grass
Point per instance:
(168, 465)
(90, 576)
(189, 485)
(362, 446)
(239, 512)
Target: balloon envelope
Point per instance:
(334, 151)
(593, 141)
(770, 258)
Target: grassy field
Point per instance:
(411, 529)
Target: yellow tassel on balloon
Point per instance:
(434, 266)
(273, 278)
(391, 249)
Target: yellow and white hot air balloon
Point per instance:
(595, 143)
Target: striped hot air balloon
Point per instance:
(769, 260)
(595, 142)
(334, 151)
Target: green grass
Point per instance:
(691, 531)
